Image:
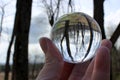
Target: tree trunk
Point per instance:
(22, 24)
(99, 15)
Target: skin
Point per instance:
(56, 69)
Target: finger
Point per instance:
(101, 69)
(66, 71)
(89, 71)
(53, 61)
(79, 71)
(106, 43)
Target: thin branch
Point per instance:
(2, 7)
(57, 10)
(2, 18)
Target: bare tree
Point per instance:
(70, 6)
(2, 7)
(55, 7)
(7, 66)
(2, 17)
(33, 72)
(52, 9)
(21, 25)
(20, 32)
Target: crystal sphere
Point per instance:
(77, 36)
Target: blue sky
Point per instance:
(39, 23)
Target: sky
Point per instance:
(41, 28)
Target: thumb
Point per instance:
(53, 61)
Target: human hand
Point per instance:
(56, 69)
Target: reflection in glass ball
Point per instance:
(77, 36)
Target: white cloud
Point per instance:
(117, 44)
(111, 22)
(86, 6)
(112, 18)
(3, 52)
(35, 50)
(39, 28)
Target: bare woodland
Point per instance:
(20, 68)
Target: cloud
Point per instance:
(39, 28)
(86, 6)
(113, 18)
(111, 22)
(35, 50)
(3, 50)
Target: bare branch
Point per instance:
(2, 7)
(115, 35)
(70, 6)
(54, 8)
(2, 17)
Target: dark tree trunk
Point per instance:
(115, 35)
(22, 24)
(99, 15)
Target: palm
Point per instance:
(56, 69)
(74, 72)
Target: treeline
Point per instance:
(115, 58)
(2, 68)
(34, 69)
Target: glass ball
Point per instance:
(77, 36)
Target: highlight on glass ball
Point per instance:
(77, 36)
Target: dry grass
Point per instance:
(2, 76)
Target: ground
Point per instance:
(2, 76)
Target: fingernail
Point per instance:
(43, 43)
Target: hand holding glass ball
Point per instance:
(77, 36)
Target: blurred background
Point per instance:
(24, 22)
